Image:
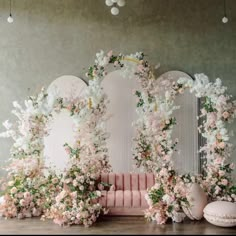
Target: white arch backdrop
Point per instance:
(187, 159)
(122, 107)
(61, 127)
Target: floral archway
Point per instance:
(71, 197)
(155, 147)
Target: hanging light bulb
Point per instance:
(225, 18)
(115, 11)
(121, 3)
(109, 3)
(10, 18)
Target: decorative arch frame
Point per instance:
(69, 198)
(170, 193)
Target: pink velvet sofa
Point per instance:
(128, 194)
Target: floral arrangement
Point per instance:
(71, 198)
(33, 190)
(76, 202)
(154, 152)
(166, 197)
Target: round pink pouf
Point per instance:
(221, 213)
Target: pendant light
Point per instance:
(225, 18)
(10, 18)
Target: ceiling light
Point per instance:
(225, 18)
(10, 18)
(115, 4)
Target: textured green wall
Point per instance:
(50, 38)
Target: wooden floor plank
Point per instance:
(112, 225)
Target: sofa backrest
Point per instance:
(129, 181)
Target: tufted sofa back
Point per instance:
(129, 181)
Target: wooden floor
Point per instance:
(112, 225)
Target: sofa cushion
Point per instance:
(134, 181)
(119, 182)
(129, 181)
(136, 198)
(119, 198)
(111, 198)
(127, 198)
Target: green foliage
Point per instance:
(208, 105)
(74, 152)
(156, 195)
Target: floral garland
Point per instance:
(26, 188)
(156, 127)
(28, 191)
(218, 110)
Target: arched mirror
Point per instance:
(122, 107)
(187, 158)
(61, 127)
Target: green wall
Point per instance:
(50, 38)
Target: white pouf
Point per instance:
(221, 213)
(198, 200)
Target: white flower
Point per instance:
(2, 201)
(7, 124)
(11, 183)
(182, 80)
(81, 187)
(98, 193)
(167, 198)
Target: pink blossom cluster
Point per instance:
(166, 197)
(28, 196)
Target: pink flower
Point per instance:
(224, 181)
(217, 189)
(22, 202)
(55, 180)
(67, 149)
(218, 160)
(140, 67)
(225, 115)
(232, 166)
(36, 212)
(100, 187)
(26, 195)
(221, 173)
(13, 190)
(219, 136)
(112, 188)
(109, 54)
(203, 111)
(211, 118)
(222, 145)
(160, 219)
(115, 63)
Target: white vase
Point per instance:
(198, 200)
